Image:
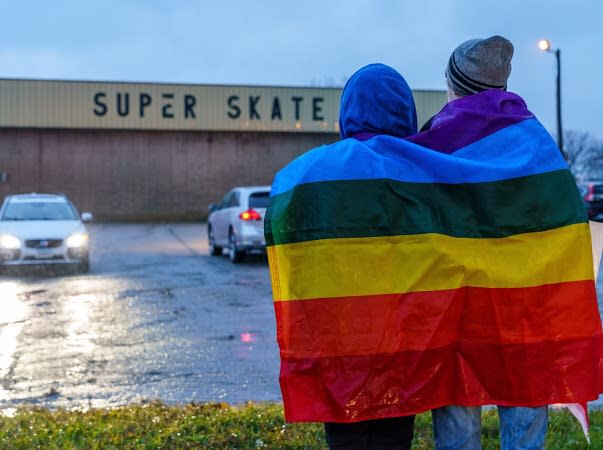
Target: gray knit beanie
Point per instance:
(480, 64)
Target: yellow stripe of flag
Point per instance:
(428, 262)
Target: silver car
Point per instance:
(237, 223)
(43, 229)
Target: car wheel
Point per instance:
(214, 250)
(84, 266)
(234, 254)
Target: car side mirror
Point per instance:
(213, 207)
(87, 217)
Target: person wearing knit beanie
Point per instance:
(476, 66)
(476, 73)
(479, 64)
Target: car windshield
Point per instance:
(259, 200)
(39, 211)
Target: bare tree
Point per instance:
(584, 154)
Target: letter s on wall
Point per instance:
(101, 107)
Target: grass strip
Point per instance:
(220, 426)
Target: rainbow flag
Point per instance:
(452, 267)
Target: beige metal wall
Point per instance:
(147, 106)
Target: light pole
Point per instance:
(545, 46)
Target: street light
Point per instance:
(545, 46)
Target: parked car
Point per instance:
(237, 223)
(43, 229)
(592, 194)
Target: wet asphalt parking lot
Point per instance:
(156, 318)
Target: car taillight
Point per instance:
(250, 214)
(591, 191)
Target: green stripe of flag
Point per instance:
(383, 207)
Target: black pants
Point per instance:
(380, 434)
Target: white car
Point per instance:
(43, 229)
(237, 223)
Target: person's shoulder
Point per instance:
(309, 156)
(322, 153)
(303, 162)
(310, 164)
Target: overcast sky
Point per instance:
(308, 42)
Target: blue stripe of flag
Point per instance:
(522, 149)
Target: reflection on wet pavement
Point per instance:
(13, 321)
(164, 321)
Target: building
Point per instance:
(140, 151)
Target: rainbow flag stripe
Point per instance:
(408, 276)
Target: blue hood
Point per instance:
(377, 100)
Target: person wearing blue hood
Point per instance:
(376, 100)
(376, 109)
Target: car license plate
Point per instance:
(44, 254)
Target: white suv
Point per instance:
(237, 223)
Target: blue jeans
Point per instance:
(459, 427)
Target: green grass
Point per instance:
(219, 426)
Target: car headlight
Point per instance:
(77, 240)
(10, 242)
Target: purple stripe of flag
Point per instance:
(472, 118)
